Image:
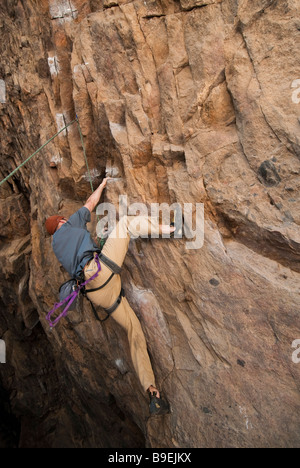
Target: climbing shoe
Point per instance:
(158, 406)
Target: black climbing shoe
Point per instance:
(158, 406)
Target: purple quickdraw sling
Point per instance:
(71, 298)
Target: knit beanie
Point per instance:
(52, 223)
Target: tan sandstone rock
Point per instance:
(189, 102)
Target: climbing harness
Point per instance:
(116, 270)
(71, 298)
(79, 286)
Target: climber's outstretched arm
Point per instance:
(93, 200)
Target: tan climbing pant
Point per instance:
(115, 249)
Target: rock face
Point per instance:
(186, 101)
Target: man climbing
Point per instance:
(76, 251)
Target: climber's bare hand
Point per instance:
(104, 182)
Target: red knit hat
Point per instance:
(52, 223)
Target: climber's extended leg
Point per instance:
(116, 246)
(125, 316)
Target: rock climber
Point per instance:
(75, 250)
